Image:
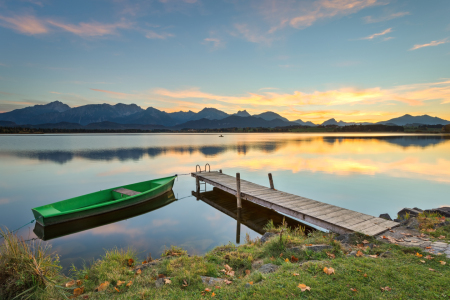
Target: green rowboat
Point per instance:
(102, 201)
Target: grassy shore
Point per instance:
(403, 273)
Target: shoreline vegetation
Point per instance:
(377, 128)
(284, 263)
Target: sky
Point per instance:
(353, 60)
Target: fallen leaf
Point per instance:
(167, 281)
(429, 257)
(428, 247)
(353, 290)
(86, 277)
(365, 275)
(78, 291)
(272, 258)
(303, 287)
(138, 272)
(119, 282)
(130, 283)
(384, 237)
(185, 283)
(228, 271)
(117, 290)
(418, 254)
(295, 274)
(228, 281)
(70, 283)
(331, 255)
(79, 282)
(432, 270)
(422, 261)
(294, 259)
(373, 256)
(218, 287)
(365, 242)
(144, 262)
(213, 294)
(328, 271)
(130, 262)
(161, 276)
(207, 290)
(102, 286)
(281, 254)
(286, 260)
(442, 262)
(85, 297)
(430, 230)
(251, 283)
(247, 272)
(386, 289)
(441, 237)
(359, 253)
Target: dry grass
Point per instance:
(25, 267)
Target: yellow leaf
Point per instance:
(432, 270)
(213, 294)
(102, 286)
(442, 262)
(167, 281)
(328, 271)
(117, 290)
(119, 283)
(303, 287)
(359, 253)
(373, 256)
(78, 291)
(129, 283)
(295, 274)
(138, 272)
(70, 283)
(353, 290)
(418, 254)
(207, 290)
(286, 260)
(422, 261)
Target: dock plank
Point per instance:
(327, 216)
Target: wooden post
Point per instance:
(220, 171)
(238, 227)
(271, 181)
(197, 181)
(238, 190)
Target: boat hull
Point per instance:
(50, 215)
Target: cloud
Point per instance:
(303, 14)
(150, 34)
(370, 37)
(25, 24)
(433, 43)
(370, 19)
(92, 29)
(251, 34)
(217, 43)
(164, 222)
(4, 201)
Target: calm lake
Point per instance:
(372, 174)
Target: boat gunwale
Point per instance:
(107, 203)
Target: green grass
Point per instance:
(402, 271)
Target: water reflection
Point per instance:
(54, 231)
(251, 215)
(137, 153)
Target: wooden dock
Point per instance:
(327, 216)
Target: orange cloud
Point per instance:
(25, 24)
(91, 29)
(433, 43)
(369, 19)
(370, 37)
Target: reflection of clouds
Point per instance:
(116, 228)
(4, 201)
(215, 217)
(164, 222)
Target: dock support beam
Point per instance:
(238, 190)
(271, 181)
(197, 182)
(238, 226)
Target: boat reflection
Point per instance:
(54, 231)
(251, 215)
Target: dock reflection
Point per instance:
(251, 215)
(54, 231)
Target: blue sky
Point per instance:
(355, 60)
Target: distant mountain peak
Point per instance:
(242, 113)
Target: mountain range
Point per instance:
(134, 116)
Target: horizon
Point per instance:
(351, 60)
(231, 114)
